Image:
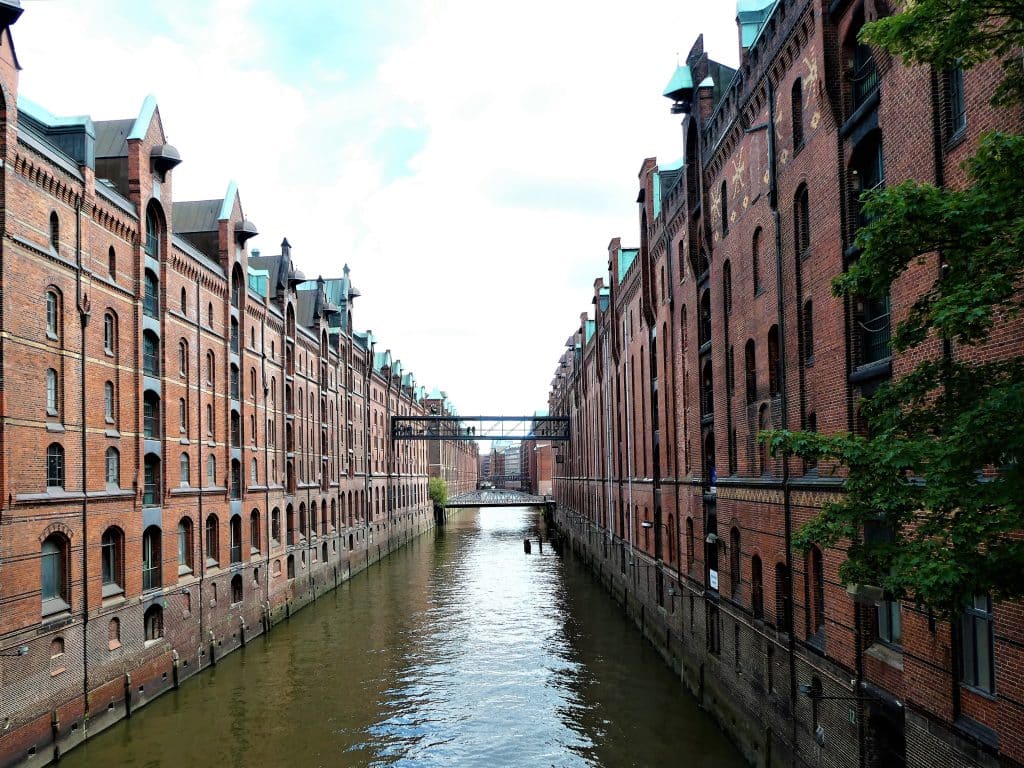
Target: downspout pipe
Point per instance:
(83, 304)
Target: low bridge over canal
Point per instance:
(496, 498)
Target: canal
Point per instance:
(457, 650)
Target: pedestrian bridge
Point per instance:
(497, 497)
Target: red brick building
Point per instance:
(721, 323)
(194, 440)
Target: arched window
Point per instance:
(235, 534)
(725, 208)
(209, 314)
(275, 525)
(254, 531)
(109, 333)
(210, 367)
(252, 384)
(185, 546)
(152, 493)
(291, 566)
(302, 520)
(734, 562)
(54, 575)
(183, 358)
(183, 466)
(52, 392)
(236, 588)
(112, 561)
(783, 609)
(212, 541)
(704, 319)
(54, 231)
(211, 470)
(55, 466)
(108, 402)
(802, 222)
(112, 263)
(312, 518)
(54, 309)
(756, 587)
(151, 295)
(153, 622)
(114, 634)
(113, 467)
(151, 559)
(774, 361)
(750, 370)
(150, 353)
(254, 472)
(797, 107)
(184, 302)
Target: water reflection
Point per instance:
(458, 650)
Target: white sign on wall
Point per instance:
(714, 579)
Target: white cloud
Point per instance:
(530, 123)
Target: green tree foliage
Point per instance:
(437, 488)
(934, 502)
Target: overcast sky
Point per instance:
(469, 160)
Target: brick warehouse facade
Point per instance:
(721, 323)
(195, 440)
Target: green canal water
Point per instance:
(458, 650)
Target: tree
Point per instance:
(934, 498)
(437, 488)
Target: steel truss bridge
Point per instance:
(496, 498)
(553, 428)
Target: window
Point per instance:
(209, 314)
(956, 108)
(797, 106)
(52, 393)
(152, 235)
(254, 532)
(764, 423)
(150, 415)
(54, 231)
(864, 75)
(234, 381)
(152, 493)
(236, 479)
(54, 580)
(153, 622)
(209, 367)
(151, 562)
(755, 261)
(750, 367)
(236, 588)
(55, 466)
(211, 470)
(254, 473)
(113, 467)
(774, 370)
(808, 329)
(183, 464)
(802, 222)
(183, 357)
(114, 634)
(890, 626)
(150, 354)
(184, 302)
(108, 402)
(291, 566)
(151, 295)
(976, 636)
(112, 263)
(209, 419)
(53, 308)
(212, 541)
(182, 416)
(112, 561)
(275, 525)
(756, 587)
(235, 532)
(109, 333)
(234, 335)
(185, 546)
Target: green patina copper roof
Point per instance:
(751, 15)
(656, 184)
(626, 258)
(589, 330)
(681, 79)
(259, 279)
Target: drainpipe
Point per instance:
(83, 304)
(200, 563)
(266, 452)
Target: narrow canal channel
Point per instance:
(459, 650)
